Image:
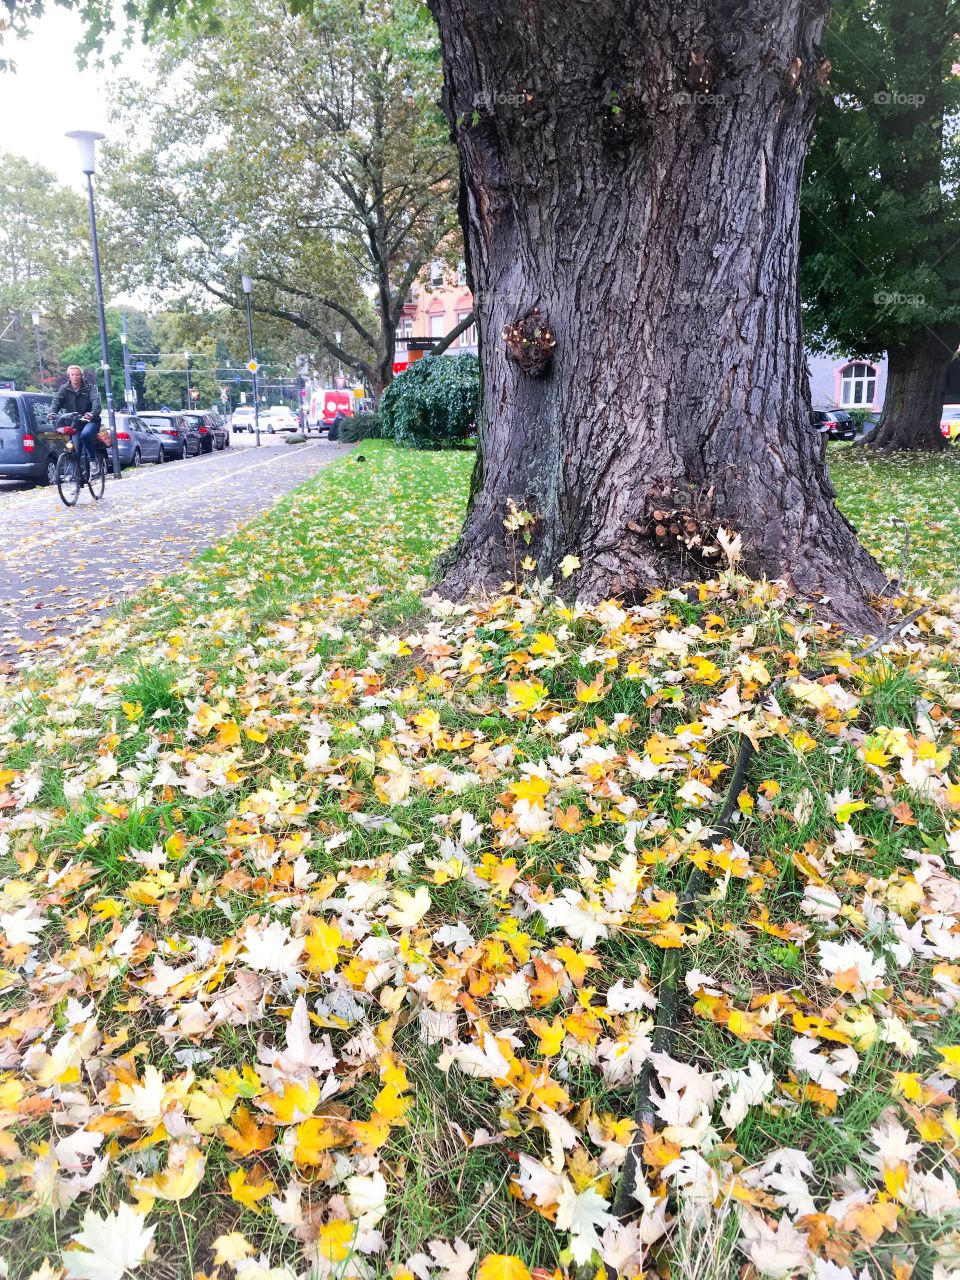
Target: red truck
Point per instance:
(325, 405)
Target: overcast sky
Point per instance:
(47, 95)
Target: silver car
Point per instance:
(138, 440)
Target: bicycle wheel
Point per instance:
(96, 478)
(68, 478)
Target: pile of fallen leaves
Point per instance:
(332, 948)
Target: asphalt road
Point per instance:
(61, 568)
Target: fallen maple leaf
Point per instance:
(111, 1246)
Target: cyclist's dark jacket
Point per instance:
(85, 400)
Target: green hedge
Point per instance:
(434, 404)
(362, 426)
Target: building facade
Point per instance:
(847, 384)
(437, 303)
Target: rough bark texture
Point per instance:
(631, 169)
(913, 402)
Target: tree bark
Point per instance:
(631, 169)
(913, 401)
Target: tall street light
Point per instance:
(87, 140)
(247, 285)
(35, 316)
(127, 380)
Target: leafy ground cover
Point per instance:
(886, 497)
(334, 927)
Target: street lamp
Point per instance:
(35, 317)
(127, 380)
(247, 286)
(339, 337)
(87, 140)
(186, 365)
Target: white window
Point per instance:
(461, 273)
(436, 272)
(438, 326)
(858, 385)
(469, 336)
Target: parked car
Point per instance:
(138, 440)
(29, 444)
(834, 423)
(279, 417)
(178, 436)
(950, 421)
(242, 418)
(212, 428)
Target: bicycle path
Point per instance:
(62, 568)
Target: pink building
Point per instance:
(437, 303)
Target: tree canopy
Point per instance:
(319, 165)
(44, 266)
(880, 210)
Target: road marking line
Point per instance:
(148, 506)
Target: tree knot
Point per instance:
(530, 343)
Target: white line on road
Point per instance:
(72, 530)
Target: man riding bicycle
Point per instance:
(78, 396)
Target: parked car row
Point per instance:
(30, 442)
(837, 424)
(181, 435)
(323, 409)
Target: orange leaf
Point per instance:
(245, 1136)
(871, 1220)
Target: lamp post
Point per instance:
(247, 285)
(186, 365)
(87, 140)
(127, 380)
(35, 316)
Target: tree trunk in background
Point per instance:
(631, 168)
(913, 400)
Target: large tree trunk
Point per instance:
(631, 168)
(913, 401)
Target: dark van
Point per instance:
(29, 443)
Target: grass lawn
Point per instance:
(884, 497)
(334, 929)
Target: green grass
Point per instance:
(889, 496)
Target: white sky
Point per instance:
(48, 95)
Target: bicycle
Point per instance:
(74, 469)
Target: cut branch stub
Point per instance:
(679, 518)
(530, 343)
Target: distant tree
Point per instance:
(320, 166)
(44, 266)
(880, 222)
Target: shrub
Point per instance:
(362, 426)
(434, 404)
(860, 417)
